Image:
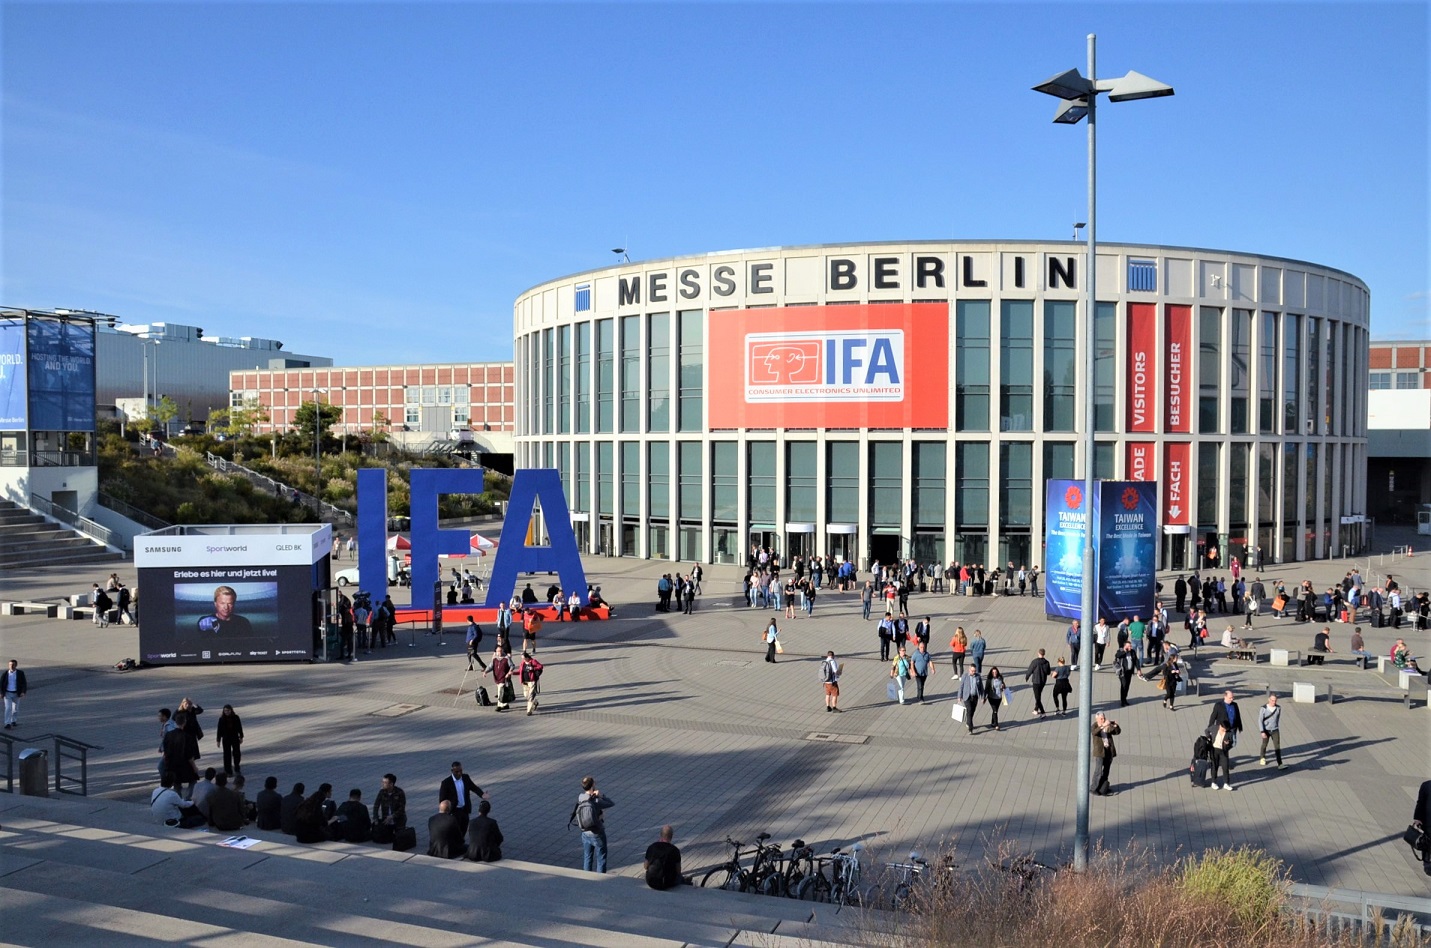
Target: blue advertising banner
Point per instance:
(1063, 543)
(12, 376)
(61, 367)
(1127, 552)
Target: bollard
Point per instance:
(34, 772)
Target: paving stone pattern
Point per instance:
(681, 721)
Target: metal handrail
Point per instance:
(95, 531)
(66, 748)
(1371, 907)
(132, 512)
(225, 466)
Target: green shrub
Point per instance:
(1246, 882)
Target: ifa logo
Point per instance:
(851, 366)
(1073, 498)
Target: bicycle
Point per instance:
(785, 872)
(731, 875)
(909, 873)
(846, 887)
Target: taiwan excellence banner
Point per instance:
(1126, 519)
(1063, 543)
(12, 377)
(880, 365)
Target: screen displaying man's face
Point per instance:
(224, 605)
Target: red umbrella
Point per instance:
(399, 542)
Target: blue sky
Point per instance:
(377, 182)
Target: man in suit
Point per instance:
(444, 839)
(484, 838)
(1228, 716)
(288, 810)
(270, 805)
(459, 790)
(1104, 750)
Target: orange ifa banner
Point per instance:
(1142, 366)
(880, 365)
(1177, 458)
(1140, 460)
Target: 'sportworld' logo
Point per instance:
(853, 366)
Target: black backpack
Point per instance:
(585, 815)
(483, 699)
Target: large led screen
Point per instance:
(225, 614)
(61, 367)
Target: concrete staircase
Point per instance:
(28, 539)
(87, 871)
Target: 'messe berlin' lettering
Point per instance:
(842, 274)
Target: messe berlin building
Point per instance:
(873, 401)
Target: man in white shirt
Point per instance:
(202, 789)
(173, 810)
(13, 684)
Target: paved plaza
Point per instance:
(681, 721)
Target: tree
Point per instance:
(244, 419)
(158, 416)
(326, 414)
(381, 424)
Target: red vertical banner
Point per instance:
(1176, 503)
(1140, 461)
(1177, 336)
(1142, 366)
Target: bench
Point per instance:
(1244, 652)
(1305, 692)
(1381, 662)
(1285, 656)
(1316, 657)
(28, 609)
(1404, 678)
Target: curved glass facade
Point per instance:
(873, 401)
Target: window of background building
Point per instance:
(1267, 374)
(1209, 372)
(412, 415)
(1408, 380)
(761, 481)
(842, 482)
(886, 483)
(725, 482)
(929, 477)
(971, 492)
(429, 394)
(1207, 485)
(548, 380)
(1311, 408)
(658, 371)
(563, 380)
(1291, 510)
(971, 366)
(658, 480)
(691, 483)
(630, 480)
(605, 478)
(1237, 483)
(460, 415)
(1060, 365)
(1016, 489)
(444, 395)
(582, 381)
(1105, 329)
(1309, 490)
(1266, 494)
(801, 491)
(692, 370)
(1239, 370)
(1058, 460)
(1380, 381)
(605, 375)
(582, 475)
(1016, 378)
(630, 374)
(564, 467)
(1329, 368)
(1105, 460)
(1291, 372)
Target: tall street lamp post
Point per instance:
(1080, 101)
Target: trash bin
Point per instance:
(34, 772)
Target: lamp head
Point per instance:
(1135, 85)
(1071, 112)
(1069, 84)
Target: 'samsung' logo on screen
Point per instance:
(853, 366)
